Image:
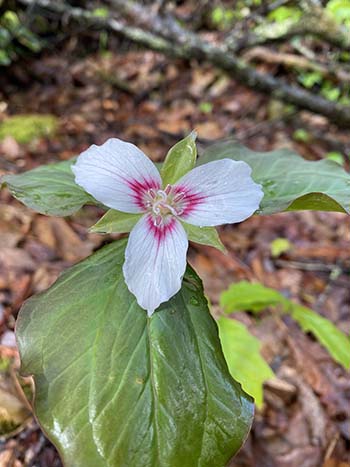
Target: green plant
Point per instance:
(117, 387)
(255, 297)
(15, 38)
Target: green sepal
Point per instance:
(204, 236)
(115, 221)
(180, 159)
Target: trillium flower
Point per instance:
(122, 177)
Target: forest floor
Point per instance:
(153, 101)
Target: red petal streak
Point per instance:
(160, 232)
(190, 201)
(140, 189)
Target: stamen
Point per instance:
(163, 204)
(179, 197)
(172, 209)
(156, 208)
(158, 221)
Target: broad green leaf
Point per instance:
(204, 236)
(335, 341)
(115, 388)
(49, 189)
(255, 297)
(242, 354)
(180, 159)
(249, 296)
(289, 181)
(115, 221)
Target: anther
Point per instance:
(158, 221)
(179, 197)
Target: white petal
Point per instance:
(155, 261)
(117, 174)
(220, 192)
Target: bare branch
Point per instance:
(187, 45)
(315, 23)
(264, 54)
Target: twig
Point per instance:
(314, 23)
(307, 266)
(265, 54)
(189, 45)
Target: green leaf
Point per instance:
(309, 79)
(49, 189)
(302, 135)
(280, 246)
(206, 107)
(340, 10)
(115, 388)
(336, 157)
(289, 181)
(101, 12)
(284, 13)
(5, 58)
(248, 296)
(335, 341)
(204, 236)
(255, 297)
(242, 353)
(115, 221)
(180, 159)
(330, 92)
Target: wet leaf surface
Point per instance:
(117, 364)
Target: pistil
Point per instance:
(164, 204)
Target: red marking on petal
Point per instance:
(190, 199)
(140, 188)
(160, 232)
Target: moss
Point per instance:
(28, 127)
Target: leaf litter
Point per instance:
(144, 97)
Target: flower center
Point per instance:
(164, 204)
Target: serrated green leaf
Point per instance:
(204, 236)
(335, 341)
(249, 296)
(49, 189)
(180, 159)
(289, 181)
(116, 388)
(255, 297)
(242, 354)
(115, 221)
